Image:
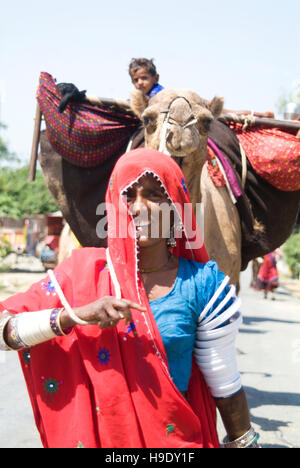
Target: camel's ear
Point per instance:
(216, 106)
(138, 102)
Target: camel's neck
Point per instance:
(192, 168)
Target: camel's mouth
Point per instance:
(178, 154)
(181, 150)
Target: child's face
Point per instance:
(143, 80)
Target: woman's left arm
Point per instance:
(216, 356)
(235, 414)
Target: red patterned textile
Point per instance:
(273, 154)
(213, 169)
(84, 135)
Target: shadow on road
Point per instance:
(257, 398)
(252, 320)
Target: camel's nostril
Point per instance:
(174, 141)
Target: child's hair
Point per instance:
(136, 63)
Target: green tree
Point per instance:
(292, 253)
(20, 198)
(5, 247)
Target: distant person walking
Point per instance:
(268, 278)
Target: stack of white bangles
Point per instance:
(215, 350)
(31, 328)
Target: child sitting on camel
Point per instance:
(144, 76)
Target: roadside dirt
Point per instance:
(15, 282)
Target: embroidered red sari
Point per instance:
(112, 388)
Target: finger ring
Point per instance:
(121, 315)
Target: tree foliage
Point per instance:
(20, 198)
(5, 247)
(292, 253)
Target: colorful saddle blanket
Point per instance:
(84, 135)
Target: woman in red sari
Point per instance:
(268, 277)
(112, 343)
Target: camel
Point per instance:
(176, 121)
(179, 122)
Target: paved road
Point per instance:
(269, 359)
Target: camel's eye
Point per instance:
(206, 121)
(149, 121)
(146, 121)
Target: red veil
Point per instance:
(111, 388)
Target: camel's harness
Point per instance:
(163, 143)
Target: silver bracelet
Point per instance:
(14, 334)
(248, 440)
(4, 318)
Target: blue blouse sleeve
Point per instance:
(208, 279)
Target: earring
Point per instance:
(171, 242)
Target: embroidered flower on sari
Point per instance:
(26, 356)
(49, 288)
(51, 386)
(103, 356)
(131, 328)
(170, 428)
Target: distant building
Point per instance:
(16, 231)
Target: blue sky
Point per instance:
(247, 52)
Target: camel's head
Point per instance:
(176, 121)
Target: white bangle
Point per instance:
(113, 275)
(214, 350)
(64, 301)
(34, 327)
